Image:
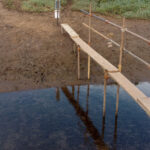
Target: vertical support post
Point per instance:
(120, 62)
(89, 42)
(57, 10)
(105, 88)
(122, 45)
(78, 63)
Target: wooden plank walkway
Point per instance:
(129, 87)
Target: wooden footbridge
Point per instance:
(109, 69)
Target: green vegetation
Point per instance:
(127, 8)
(32, 5)
(9, 3)
(40, 5)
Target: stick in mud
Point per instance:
(78, 63)
(89, 58)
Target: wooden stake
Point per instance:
(89, 66)
(121, 45)
(120, 62)
(89, 58)
(105, 88)
(78, 63)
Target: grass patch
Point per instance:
(9, 4)
(32, 5)
(128, 8)
(39, 5)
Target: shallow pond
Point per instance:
(71, 118)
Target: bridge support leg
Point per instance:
(105, 89)
(90, 19)
(78, 63)
(89, 67)
(120, 61)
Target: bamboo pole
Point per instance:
(89, 58)
(78, 63)
(105, 88)
(89, 66)
(122, 45)
(118, 45)
(120, 62)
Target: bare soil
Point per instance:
(34, 53)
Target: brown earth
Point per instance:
(34, 53)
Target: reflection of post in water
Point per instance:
(73, 91)
(78, 94)
(116, 117)
(57, 94)
(104, 102)
(86, 120)
(117, 100)
(87, 109)
(103, 127)
(87, 98)
(105, 88)
(115, 133)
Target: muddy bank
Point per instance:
(34, 53)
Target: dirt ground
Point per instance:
(34, 53)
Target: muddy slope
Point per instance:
(34, 53)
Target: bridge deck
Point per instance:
(129, 87)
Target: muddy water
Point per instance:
(70, 118)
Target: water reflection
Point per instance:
(71, 118)
(57, 94)
(98, 140)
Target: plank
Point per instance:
(129, 87)
(68, 29)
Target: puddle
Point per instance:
(71, 118)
